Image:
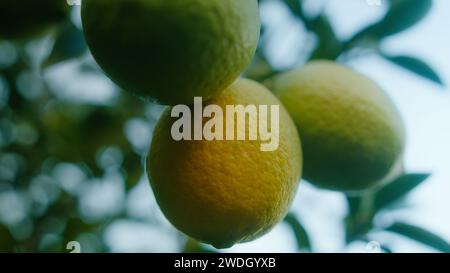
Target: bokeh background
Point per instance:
(72, 144)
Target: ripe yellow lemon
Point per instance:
(25, 18)
(172, 50)
(223, 192)
(352, 134)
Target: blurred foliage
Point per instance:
(55, 148)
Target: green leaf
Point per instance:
(69, 44)
(359, 220)
(354, 203)
(295, 7)
(329, 47)
(416, 66)
(402, 15)
(398, 189)
(133, 168)
(386, 249)
(301, 236)
(420, 235)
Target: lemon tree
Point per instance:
(55, 150)
(224, 192)
(171, 51)
(353, 136)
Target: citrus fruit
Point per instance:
(225, 192)
(26, 18)
(171, 51)
(352, 134)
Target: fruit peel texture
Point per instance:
(352, 133)
(171, 51)
(225, 192)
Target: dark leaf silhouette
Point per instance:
(416, 66)
(398, 189)
(421, 235)
(69, 44)
(402, 15)
(301, 236)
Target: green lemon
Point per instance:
(352, 134)
(172, 50)
(25, 18)
(224, 192)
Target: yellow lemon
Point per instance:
(172, 50)
(223, 192)
(352, 134)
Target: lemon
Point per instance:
(352, 134)
(225, 192)
(26, 18)
(172, 50)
